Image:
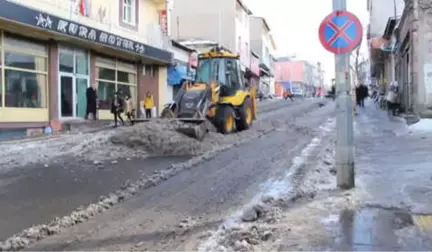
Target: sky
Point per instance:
(294, 25)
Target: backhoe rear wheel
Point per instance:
(245, 115)
(225, 119)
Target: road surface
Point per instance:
(176, 213)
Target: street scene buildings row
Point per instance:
(401, 51)
(51, 51)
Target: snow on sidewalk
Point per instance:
(421, 127)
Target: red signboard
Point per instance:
(163, 21)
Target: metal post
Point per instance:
(344, 116)
(393, 43)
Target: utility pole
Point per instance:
(344, 116)
(393, 44)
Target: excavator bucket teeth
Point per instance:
(194, 131)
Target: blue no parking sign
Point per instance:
(340, 32)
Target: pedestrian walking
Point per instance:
(288, 94)
(358, 94)
(117, 108)
(148, 105)
(364, 91)
(333, 92)
(392, 97)
(130, 111)
(91, 95)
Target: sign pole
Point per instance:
(344, 116)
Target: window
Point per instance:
(203, 71)
(129, 11)
(66, 61)
(150, 70)
(112, 76)
(24, 71)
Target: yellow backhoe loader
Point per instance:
(220, 97)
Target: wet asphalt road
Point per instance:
(37, 194)
(208, 192)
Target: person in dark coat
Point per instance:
(91, 102)
(364, 90)
(117, 108)
(358, 93)
(333, 91)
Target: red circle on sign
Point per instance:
(352, 44)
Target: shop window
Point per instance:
(106, 74)
(126, 77)
(25, 89)
(105, 91)
(24, 73)
(23, 61)
(149, 70)
(128, 90)
(82, 64)
(66, 61)
(119, 76)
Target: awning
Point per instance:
(385, 45)
(177, 73)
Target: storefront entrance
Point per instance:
(73, 83)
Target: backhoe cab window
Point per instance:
(203, 71)
(234, 80)
(224, 71)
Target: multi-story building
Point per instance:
(53, 50)
(225, 22)
(296, 75)
(263, 44)
(413, 57)
(381, 17)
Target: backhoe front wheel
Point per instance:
(225, 119)
(245, 115)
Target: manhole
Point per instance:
(424, 222)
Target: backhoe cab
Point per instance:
(218, 95)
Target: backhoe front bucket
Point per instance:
(194, 128)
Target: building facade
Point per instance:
(413, 57)
(296, 75)
(52, 51)
(225, 22)
(263, 44)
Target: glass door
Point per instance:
(73, 82)
(81, 85)
(66, 96)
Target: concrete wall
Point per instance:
(209, 20)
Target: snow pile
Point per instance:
(159, 137)
(423, 126)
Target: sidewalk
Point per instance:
(394, 166)
(394, 186)
(391, 207)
